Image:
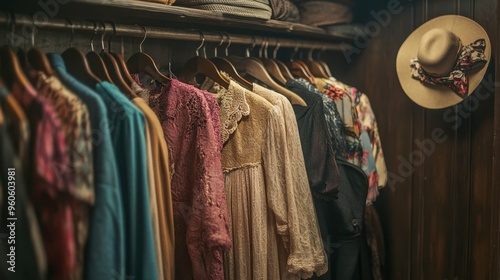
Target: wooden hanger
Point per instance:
(116, 75)
(143, 63)
(284, 69)
(201, 65)
(122, 66)
(315, 68)
(271, 66)
(323, 64)
(10, 69)
(257, 70)
(78, 67)
(225, 65)
(95, 61)
(298, 68)
(113, 69)
(326, 68)
(281, 66)
(306, 68)
(39, 61)
(273, 69)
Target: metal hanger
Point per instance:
(113, 69)
(323, 63)
(141, 62)
(37, 59)
(282, 66)
(78, 67)
(256, 70)
(95, 61)
(271, 66)
(10, 69)
(225, 65)
(315, 67)
(201, 65)
(297, 68)
(122, 66)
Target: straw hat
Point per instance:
(435, 48)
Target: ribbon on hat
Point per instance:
(470, 57)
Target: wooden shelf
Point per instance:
(155, 14)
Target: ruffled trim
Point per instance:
(233, 106)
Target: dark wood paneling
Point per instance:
(452, 200)
(485, 196)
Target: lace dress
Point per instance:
(199, 204)
(302, 238)
(263, 179)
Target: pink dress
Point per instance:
(189, 122)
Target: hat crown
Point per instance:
(438, 50)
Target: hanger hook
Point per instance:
(275, 52)
(262, 46)
(9, 38)
(143, 39)
(202, 37)
(220, 44)
(72, 32)
(310, 54)
(301, 53)
(33, 26)
(112, 35)
(228, 44)
(295, 50)
(249, 49)
(93, 35)
(318, 54)
(102, 35)
(266, 47)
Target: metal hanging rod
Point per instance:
(163, 32)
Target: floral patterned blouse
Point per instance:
(50, 180)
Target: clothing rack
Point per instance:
(127, 30)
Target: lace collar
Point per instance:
(233, 106)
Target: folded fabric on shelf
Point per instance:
(242, 8)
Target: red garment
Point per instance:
(191, 125)
(50, 180)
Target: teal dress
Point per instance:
(127, 128)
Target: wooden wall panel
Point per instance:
(442, 221)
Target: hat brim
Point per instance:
(437, 97)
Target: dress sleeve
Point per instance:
(289, 196)
(208, 227)
(320, 158)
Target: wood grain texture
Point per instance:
(443, 221)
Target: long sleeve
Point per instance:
(289, 197)
(298, 226)
(128, 134)
(208, 228)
